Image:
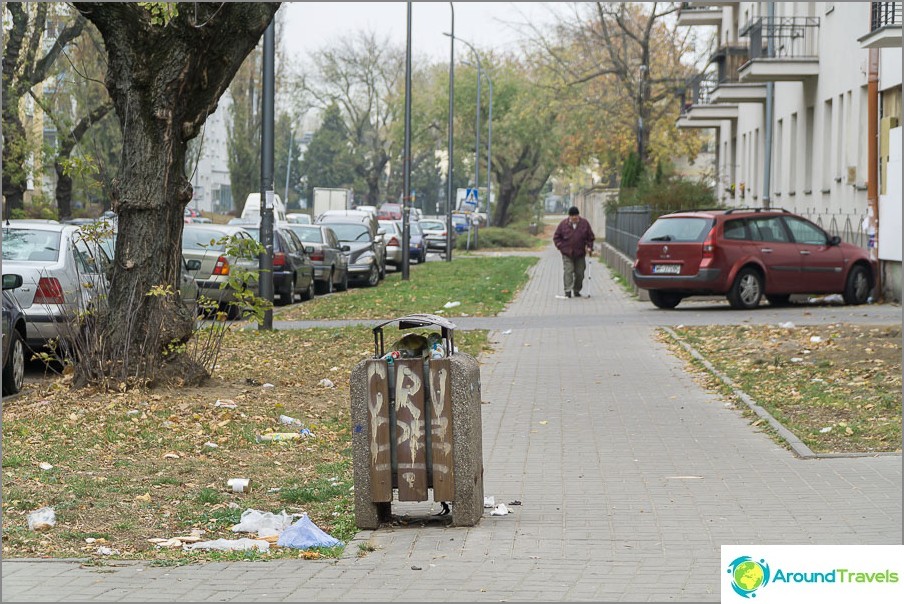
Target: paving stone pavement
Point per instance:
(629, 474)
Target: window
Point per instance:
(793, 152)
(827, 146)
(768, 230)
(805, 232)
(810, 135)
(678, 229)
(735, 229)
(839, 138)
(778, 160)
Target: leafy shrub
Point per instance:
(495, 237)
(666, 194)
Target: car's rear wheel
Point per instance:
(14, 370)
(373, 277)
(326, 287)
(779, 300)
(661, 299)
(857, 286)
(747, 289)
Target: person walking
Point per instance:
(574, 238)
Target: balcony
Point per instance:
(699, 15)
(885, 26)
(701, 112)
(795, 43)
(728, 59)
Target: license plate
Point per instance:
(666, 269)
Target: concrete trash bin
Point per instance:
(416, 427)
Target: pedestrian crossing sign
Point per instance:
(470, 201)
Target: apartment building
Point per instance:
(808, 149)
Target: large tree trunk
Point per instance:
(164, 82)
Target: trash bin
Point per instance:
(417, 427)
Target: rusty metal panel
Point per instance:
(411, 439)
(441, 429)
(378, 430)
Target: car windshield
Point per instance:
(195, 239)
(432, 224)
(28, 245)
(309, 234)
(683, 229)
(390, 226)
(350, 232)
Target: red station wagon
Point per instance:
(746, 254)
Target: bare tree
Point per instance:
(364, 77)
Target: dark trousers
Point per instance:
(574, 273)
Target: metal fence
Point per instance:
(625, 226)
(883, 14)
(848, 226)
(792, 37)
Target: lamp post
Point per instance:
(289, 164)
(481, 71)
(406, 200)
(449, 226)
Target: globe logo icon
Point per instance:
(748, 575)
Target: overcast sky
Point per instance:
(313, 25)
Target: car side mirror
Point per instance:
(834, 240)
(346, 248)
(12, 281)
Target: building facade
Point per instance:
(787, 93)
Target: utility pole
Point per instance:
(770, 103)
(406, 199)
(265, 278)
(449, 226)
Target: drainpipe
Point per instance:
(872, 182)
(770, 101)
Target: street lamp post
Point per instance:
(406, 200)
(289, 164)
(449, 226)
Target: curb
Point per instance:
(797, 446)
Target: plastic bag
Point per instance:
(41, 519)
(305, 534)
(255, 521)
(230, 545)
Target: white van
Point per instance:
(251, 213)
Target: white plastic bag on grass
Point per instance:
(230, 545)
(255, 521)
(41, 519)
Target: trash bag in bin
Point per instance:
(304, 534)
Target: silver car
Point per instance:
(326, 253)
(62, 272)
(436, 234)
(392, 235)
(210, 264)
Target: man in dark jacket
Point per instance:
(574, 238)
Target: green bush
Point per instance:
(495, 237)
(669, 194)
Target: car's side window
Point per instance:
(736, 229)
(769, 229)
(806, 232)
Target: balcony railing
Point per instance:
(792, 37)
(701, 89)
(883, 14)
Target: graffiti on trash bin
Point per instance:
(411, 441)
(376, 376)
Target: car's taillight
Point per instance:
(222, 267)
(393, 241)
(279, 259)
(49, 291)
(709, 245)
(317, 256)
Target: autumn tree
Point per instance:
(619, 68)
(168, 66)
(327, 162)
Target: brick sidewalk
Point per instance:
(630, 477)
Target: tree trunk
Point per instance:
(164, 81)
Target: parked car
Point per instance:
(298, 218)
(371, 209)
(61, 271)
(746, 254)
(461, 223)
(326, 254)
(293, 271)
(390, 211)
(360, 217)
(210, 265)
(435, 234)
(392, 234)
(14, 336)
(364, 258)
(417, 246)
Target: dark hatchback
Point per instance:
(745, 255)
(13, 338)
(293, 271)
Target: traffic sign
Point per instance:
(470, 201)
